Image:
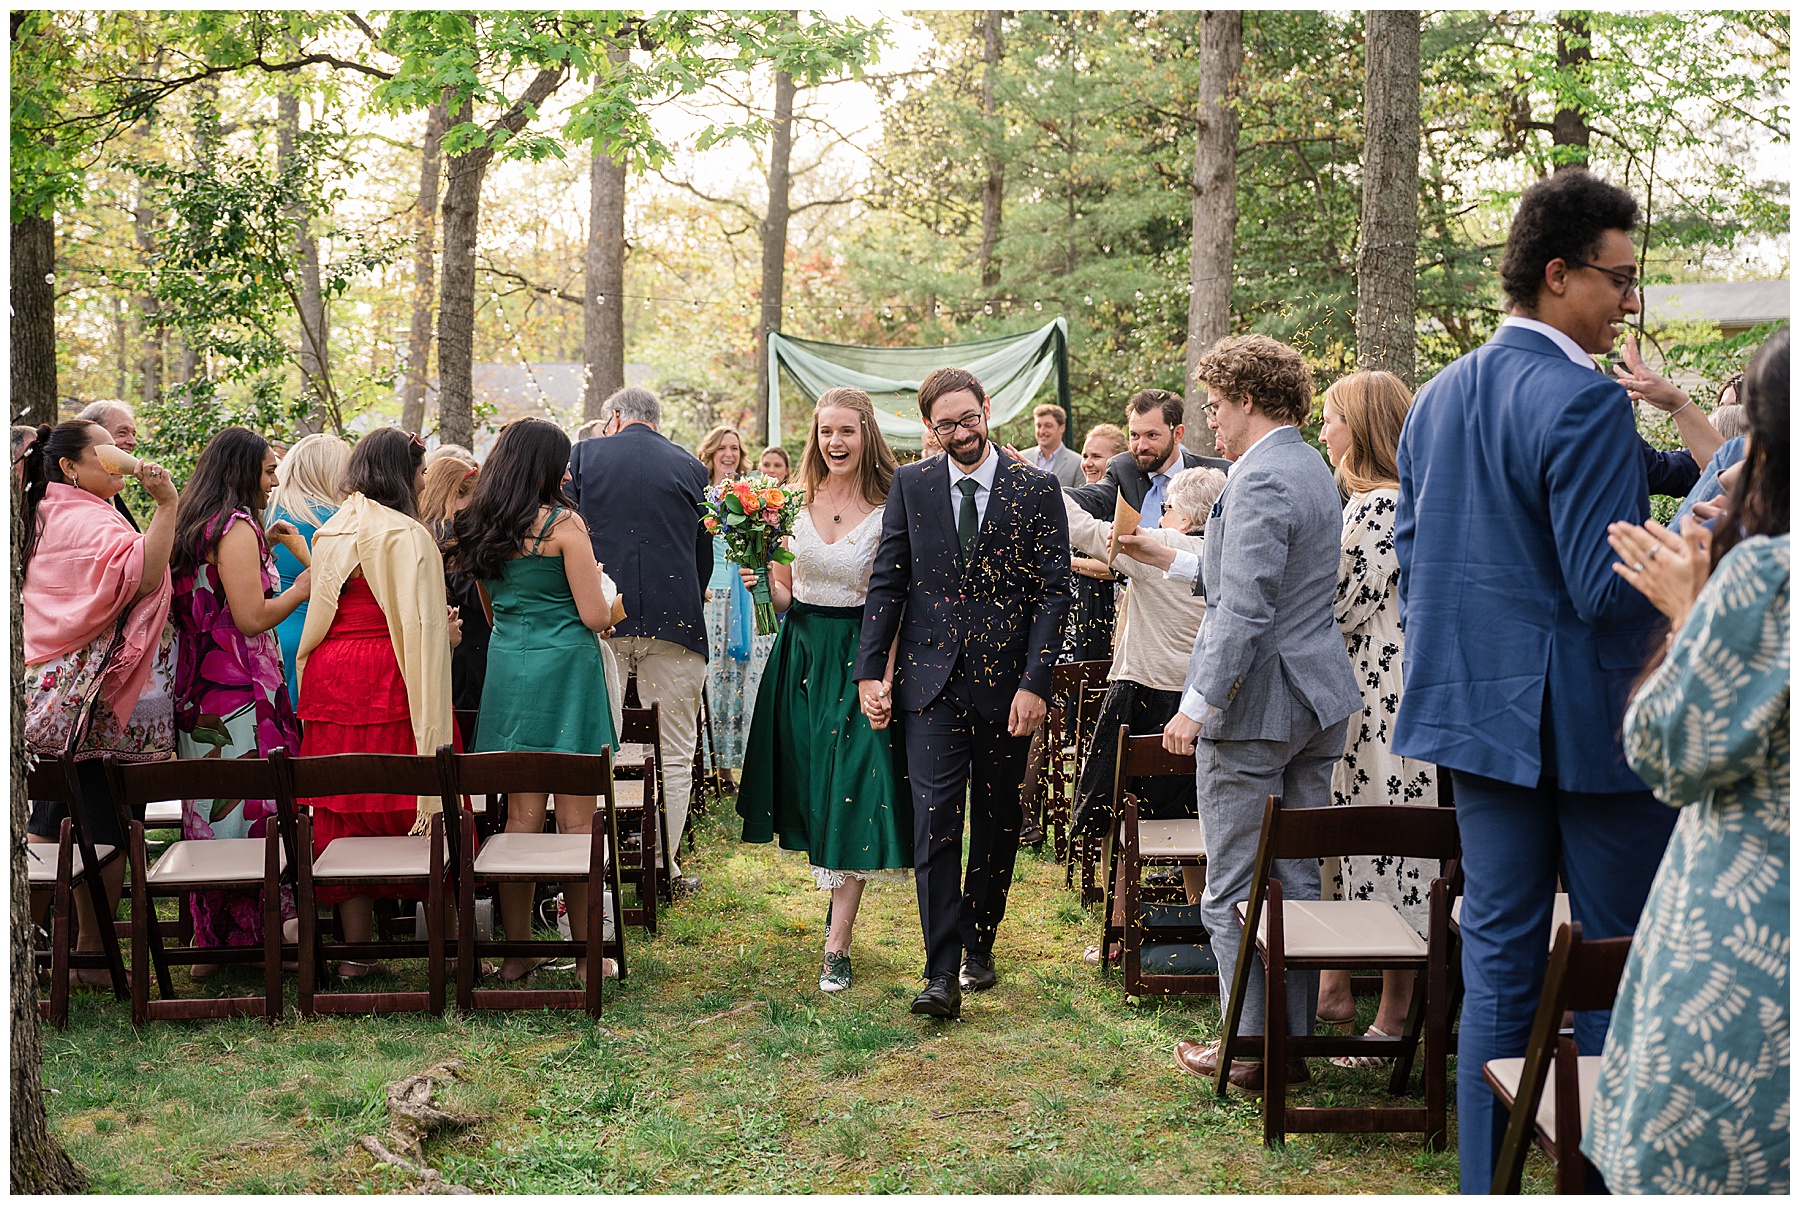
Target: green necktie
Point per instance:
(966, 524)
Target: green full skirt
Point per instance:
(816, 775)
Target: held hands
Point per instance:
(1027, 713)
(1644, 384)
(455, 625)
(1665, 568)
(877, 698)
(1147, 549)
(1179, 734)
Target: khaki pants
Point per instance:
(673, 676)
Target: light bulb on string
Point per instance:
(988, 308)
(1087, 299)
(1037, 305)
(602, 299)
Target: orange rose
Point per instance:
(712, 524)
(745, 495)
(773, 496)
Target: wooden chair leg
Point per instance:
(596, 910)
(62, 929)
(1275, 1026)
(1411, 1031)
(271, 915)
(308, 952)
(613, 875)
(143, 923)
(1234, 1008)
(465, 922)
(435, 919)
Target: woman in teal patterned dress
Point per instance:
(545, 688)
(1693, 1088)
(308, 491)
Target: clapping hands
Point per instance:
(1666, 568)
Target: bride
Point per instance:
(816, 776)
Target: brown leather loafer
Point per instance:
(1203, 1061)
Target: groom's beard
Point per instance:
(969, 455)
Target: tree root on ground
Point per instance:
(412, 1118)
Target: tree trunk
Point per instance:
(33, 321)
(603, 306)
(774, 247)
(993, 187)
(1574, 51)
(122, 334)
(418, 350)
(1388, 248)
(150, 325)
(456, 307)
(39, 1163)
(315, 382)
(1215, 210)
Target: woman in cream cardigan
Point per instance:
(1157, 624)
(374, 658)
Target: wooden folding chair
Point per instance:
(1581, 976)
(638, 787)
(1064, 728)
(76, 866)
(1354, 934)
(537, 857)
(220, 864)
(490, 810)
(407, 861)
(1133, 843)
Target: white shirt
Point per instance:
(1047, 460)
(984, 482)
(1564, 344)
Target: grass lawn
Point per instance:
(1050, 1083)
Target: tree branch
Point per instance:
(559, 294)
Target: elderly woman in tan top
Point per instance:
(1157, 624)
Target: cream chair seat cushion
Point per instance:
(1508, 1072)
(1171, 839)
(1350, 928)
(41, 862)
(557, 856)
(224, 860)
(375, 857)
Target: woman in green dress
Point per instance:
(816, 776)
(545, 690)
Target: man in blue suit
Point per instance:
(1521, 641)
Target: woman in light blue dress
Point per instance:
(1693, 1088)
(308, 491)
(735, 654)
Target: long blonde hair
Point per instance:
(1374, 406)
(715, 439)
(311, 477)
(875, 468)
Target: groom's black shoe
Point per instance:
(978, 972)
(941, 998)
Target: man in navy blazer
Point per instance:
(1521, 640)
(641, 497)
(967, 595)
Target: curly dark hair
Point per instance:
(523, 473)
(1260, 370)
(1563, 216)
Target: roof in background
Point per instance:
(1728, 303)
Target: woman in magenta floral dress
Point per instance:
(230, 698)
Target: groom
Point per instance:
(972, 575)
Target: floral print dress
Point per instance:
(1370, 772)
(1694, 1079)
(230, 701)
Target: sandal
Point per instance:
(351, 969)
(1114, 955)
(1354, 1062)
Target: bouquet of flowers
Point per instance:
(753, 514)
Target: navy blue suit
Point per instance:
(971, 636)
(1521, 647)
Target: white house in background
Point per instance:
(551, 391)
(1734, 306)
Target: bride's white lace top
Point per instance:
(834, 575)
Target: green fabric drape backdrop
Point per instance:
(1012, 368)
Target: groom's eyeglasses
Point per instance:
(967, 422)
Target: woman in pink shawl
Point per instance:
(99, 649)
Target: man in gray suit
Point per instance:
(1051, 455)
(1269, 686)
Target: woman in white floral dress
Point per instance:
(1361, 430)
